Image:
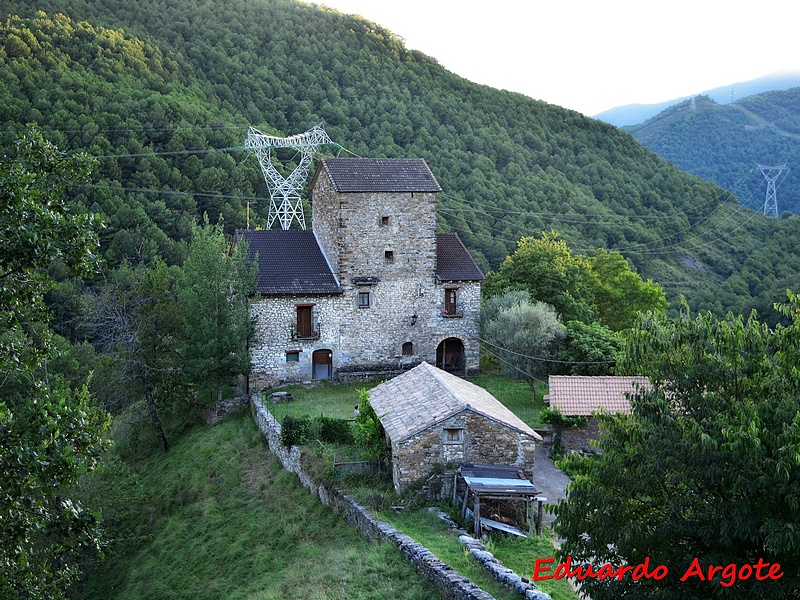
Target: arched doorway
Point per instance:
(322, 364)
(450, 356)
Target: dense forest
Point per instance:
(724, 144)
(162, 91)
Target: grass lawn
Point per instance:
(515, 395)
(338, 400)
(217, 517)
(320, 399)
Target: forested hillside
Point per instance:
(724, 144)
(161, 91)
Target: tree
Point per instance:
(705, 468)
(589, 349)
(522, 335)
(546, 268)
(217, 279)
(50, 433)
(136, 322)
(619, 293)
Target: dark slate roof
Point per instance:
(379, 175)
(453, 262)
(290, 262)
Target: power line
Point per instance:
(549, 360)
(168, 192)
(171, 153)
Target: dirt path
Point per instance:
(550, 481)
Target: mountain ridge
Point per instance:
(634, 114)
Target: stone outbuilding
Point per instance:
(372, 288)
(585, 396)
(433, 417)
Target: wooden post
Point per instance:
(477, 516)
(541, 502)
(529, 513)
(464, 507)
(455, 487)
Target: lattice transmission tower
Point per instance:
(285, 204)
(770, 174)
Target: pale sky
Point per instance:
(592, 55)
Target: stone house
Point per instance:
(434, 417)
(372, 288)
(586, 396)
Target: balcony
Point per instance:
(305, 333)
(451, 311)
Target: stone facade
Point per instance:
(390, 313)
(480, 440)
(579, 439)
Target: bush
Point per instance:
(559, 421)
(335, 431)
(301, 430)
(295, 430)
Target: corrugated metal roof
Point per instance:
(453, 261)
(290, 263)
(584, 395)
(380, 175)
(426, 395)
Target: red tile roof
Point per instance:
(574, 395)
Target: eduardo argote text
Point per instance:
(727, 574)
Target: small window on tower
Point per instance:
(389, 255)
(364, 299)
(384, 221)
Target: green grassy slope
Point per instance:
(217, 517)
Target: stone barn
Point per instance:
(433, 417)
(372, 288)
(586, 396)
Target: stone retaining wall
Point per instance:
(450, 584)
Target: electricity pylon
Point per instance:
(771, 202)
(284, 192)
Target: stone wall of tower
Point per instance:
(325, 217)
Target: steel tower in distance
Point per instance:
(771, 202)
(284, 192)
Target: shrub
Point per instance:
(295, 430)
(335, 431)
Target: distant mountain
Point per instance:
(162, 92)
(724, 144)
(633, 114)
